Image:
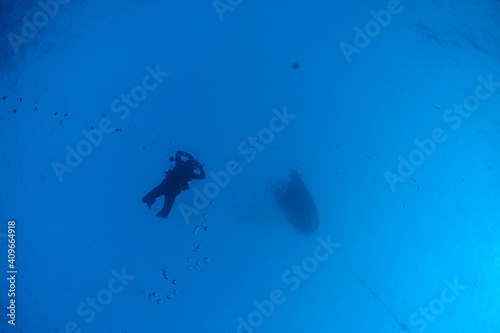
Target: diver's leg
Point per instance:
(150, 198)
(167, 206)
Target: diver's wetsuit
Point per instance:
(176, 180)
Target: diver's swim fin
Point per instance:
(150, 201)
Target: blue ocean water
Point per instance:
(388, 111)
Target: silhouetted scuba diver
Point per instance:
(176, 180)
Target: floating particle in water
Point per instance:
(174, 281)
(198, 263)
(159, 301)
(154, 294)
(205, 260)
(103, 115)
(15, 110)
(204, 214)
(20, 99)
(211, 202)
(188, 268)
(169, 296)
(151, 295)
(195, 230)
(36, 108)
(60, 121)
(188, 259)
(65, 115)
(175, 292)
(4, 98)
(205, 228)
(295, 65)
(198, 247)
(55, 114)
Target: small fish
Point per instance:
(15, 110)
(36, 108)
(55, 114)
(65, 115)
(20, 99)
